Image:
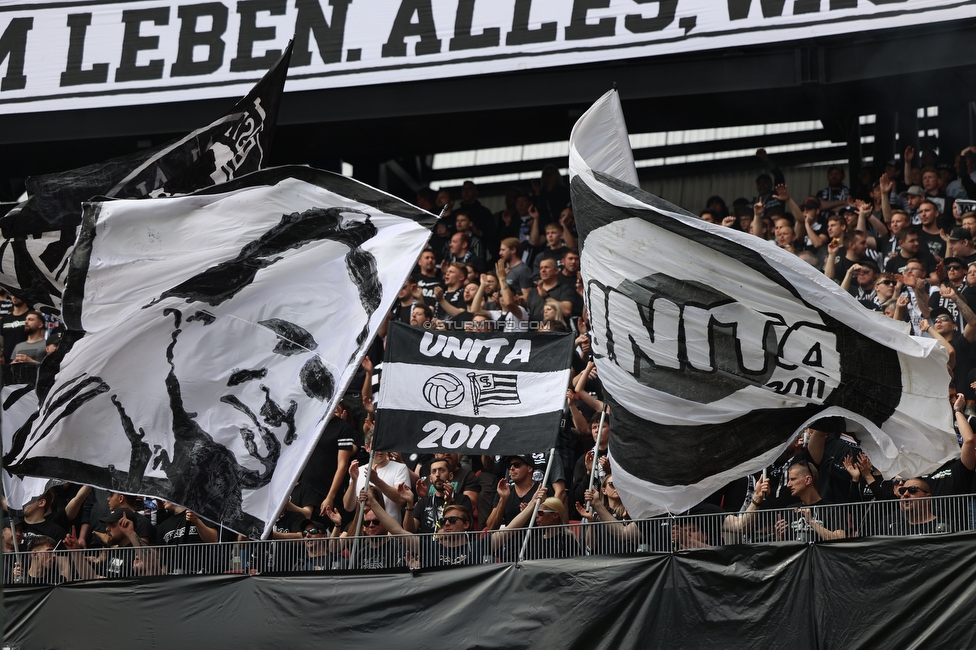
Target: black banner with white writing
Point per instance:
(471, 393)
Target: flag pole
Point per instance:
(535, 508)
(362, 510)
(596, 453)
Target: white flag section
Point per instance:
(19, 403)
(717, 348)
(211, 336)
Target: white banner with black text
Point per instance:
(99, 53)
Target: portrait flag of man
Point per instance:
(716, 348)
(39, 234)
(210, 337)
(471, 392)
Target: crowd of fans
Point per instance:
(900, 244)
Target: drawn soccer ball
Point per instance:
(444, 391)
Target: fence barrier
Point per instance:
(669, 534)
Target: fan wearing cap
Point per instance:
(961, 245)
(955, 276)
(942, 329)
(116, 501)
(859, 281)
(513, 497)
(913, 198)
(318, 551)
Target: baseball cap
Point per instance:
(524, 459)
(915, 190)
(939, 311)
(117, 514)
(960, 234)
(810, 204)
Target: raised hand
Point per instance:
(886, 184)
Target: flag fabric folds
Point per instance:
(717, 348)
(471, 393)
(39, 233)
(210, 337)
(18, 402)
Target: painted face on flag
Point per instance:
(202, 360)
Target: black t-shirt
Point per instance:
(898, 263)
(176, 531)
(12, 329)
(302, 495)
(427, 285)
(388, 553)
(454, 298)
(475, 550)
(950, 479)
(965, 363)
(429, 510)
(835, 484)
(934, 243)
(833, 519)
(513, 505)
(560, 292)
(52, 527)
(322, 465)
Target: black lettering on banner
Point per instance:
(579, 29)
(637, 24)
(13, 50)
(250, 34)
(328, 36)
(739, 9)
(843, 4)
(133, 43)
(454, 435)
(190, 38)
(73, 75)
(463, 38)
(521, 34)
(806, 7)
(404, 26)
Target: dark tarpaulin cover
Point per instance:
(870, 593)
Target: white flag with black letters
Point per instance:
(716, 348)
(471, 393)
(210, 337)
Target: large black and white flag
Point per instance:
(210, 337)
(18, 402)
(716, 348)
(471, 393)
(40, 232)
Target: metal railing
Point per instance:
(669, 534)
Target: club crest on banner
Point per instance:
(483, 392)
